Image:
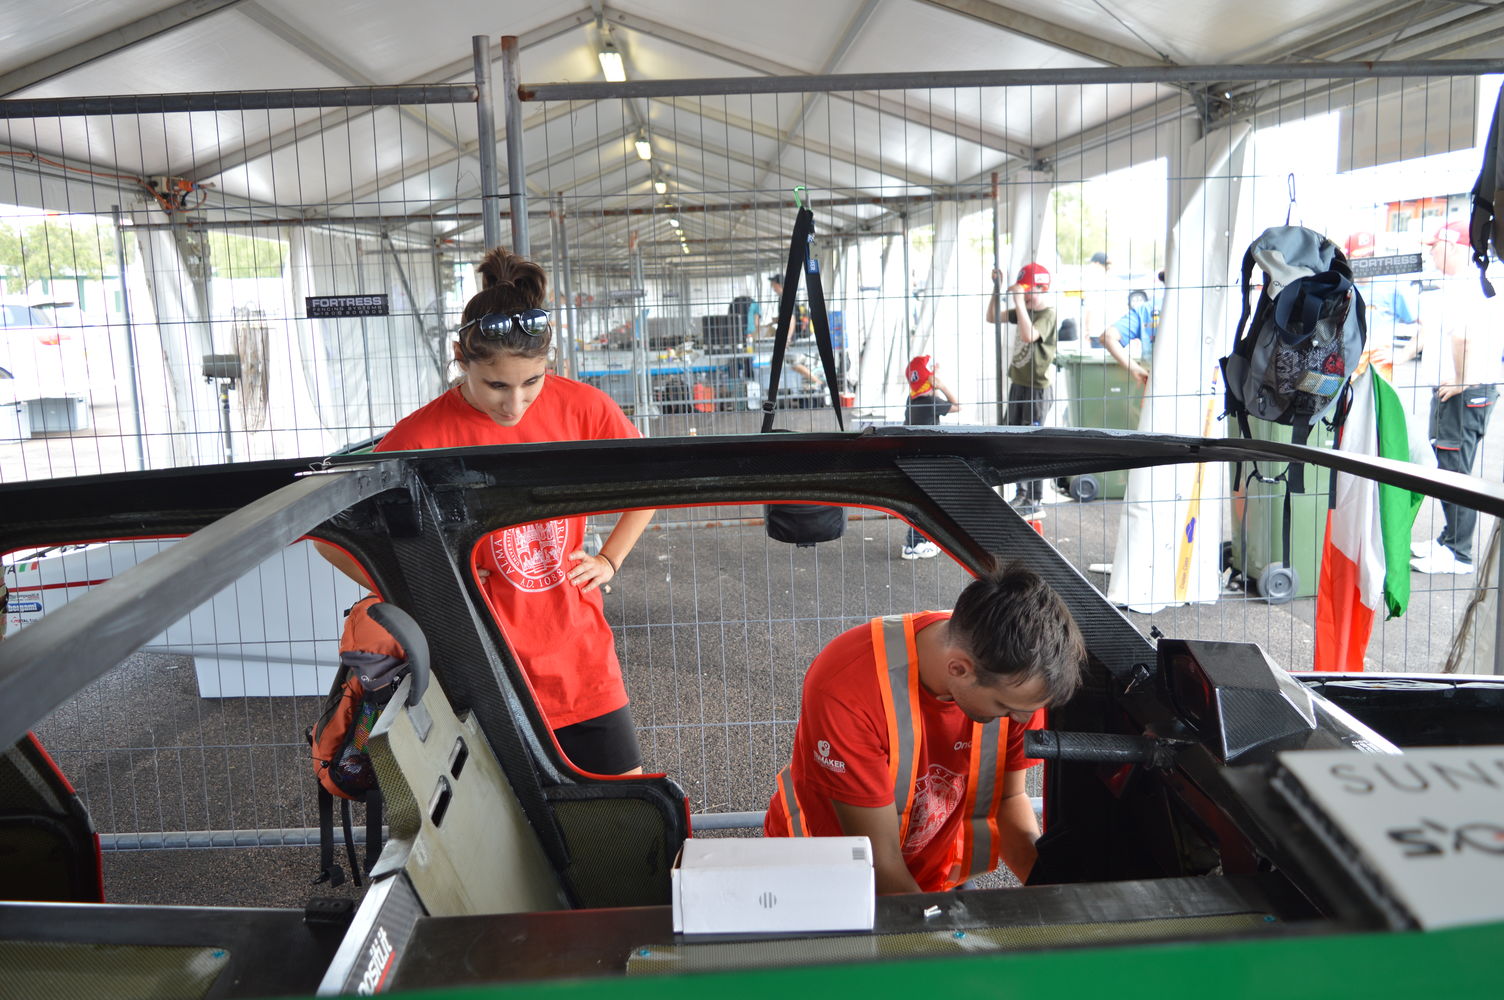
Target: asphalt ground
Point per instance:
(715, 626)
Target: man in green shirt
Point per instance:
(1033, 360)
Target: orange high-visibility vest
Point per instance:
(897, 664)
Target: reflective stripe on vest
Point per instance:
(984, 790)
(897, 662)
(790, 802)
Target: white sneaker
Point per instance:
(923, 550)
(1427, 549)
(1441, 562)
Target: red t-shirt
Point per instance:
(841, 753)
(560, 635)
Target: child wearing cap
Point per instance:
(1033, 360)
(929, 400)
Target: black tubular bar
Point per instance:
(243, 100)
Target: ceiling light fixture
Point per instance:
(612, 64)
(644, 148)
(660, 187)
(673, 221)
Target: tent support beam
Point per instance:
(108, 43)
(1255, 72)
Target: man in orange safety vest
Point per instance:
(911, 733)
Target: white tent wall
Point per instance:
(944, 327)
(363, 374)
(1169, 542)
(171, 346)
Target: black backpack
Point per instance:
(1290, 364)
(803, 524)
(1486, 225)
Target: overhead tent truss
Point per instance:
(1211, 93)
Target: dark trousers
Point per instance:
(1027, 407)
(1457, 427)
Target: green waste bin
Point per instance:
(1102, 395)
(1259, 517)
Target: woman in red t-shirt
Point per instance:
(541, 584)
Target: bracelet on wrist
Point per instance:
(614, 568)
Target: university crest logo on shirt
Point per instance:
(937, 794)
(532, 555)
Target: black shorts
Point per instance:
(606, 744)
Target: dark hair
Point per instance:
(509, 283)
(1014, 625)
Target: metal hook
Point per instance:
(799, 197)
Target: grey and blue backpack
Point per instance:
(1290, 363)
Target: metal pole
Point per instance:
(1497, 552)
(516, 169)
(999, 362)
(642, 391)
(438, 299)
(1238, 73)
(412, 301)
(556, 282)
(225, 385)
(908, 293)
(485, 120)
(242, 100)
(130, 340)
(566, 287)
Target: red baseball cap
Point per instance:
(1034, 277)
(919, 373)
(1359, 245)
(1452, 232)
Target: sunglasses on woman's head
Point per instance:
(493, 326)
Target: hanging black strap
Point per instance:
(802, 260)
(1285, 529)
(344, 812)
(373, 828)
(328, 871)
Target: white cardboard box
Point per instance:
(735, 886)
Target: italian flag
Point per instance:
(1366, 560)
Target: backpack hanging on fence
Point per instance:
(803, 524)
(1307, 333)
(372, 664)
(1486, 224)
(1291, 363)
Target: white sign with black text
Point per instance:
(1429, 823)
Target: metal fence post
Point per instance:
(130, 338)
(485, 118)
(516, 169)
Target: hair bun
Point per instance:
(501, 268)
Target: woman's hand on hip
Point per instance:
(589, 572)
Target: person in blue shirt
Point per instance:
(1141, 323)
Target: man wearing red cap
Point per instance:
(1465, 399)
(929, 400)
(1033, 360)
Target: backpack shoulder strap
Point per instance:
(328, 871)
(822, 328)
(804, 224)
